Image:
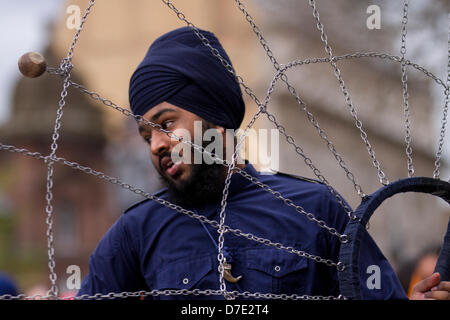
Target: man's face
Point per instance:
(185, 181)
(170, 118)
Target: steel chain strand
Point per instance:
(404, 79)
(368, 55)
(342, 237)
(35, 153)
(258, 33)
(309, 163)
(49, 195)
(192, 214)
(189, 213)
(291, 89)
(338, 265)
(175, 207)
(337, 73)
(437, 163)
(87, 11)
(49, 185)
(141, 119)
(128, 113)
(380, 55)
(291, 64)
(65, 68)
(172, 292)
(215, 52)
(24, 152)
(350, 176)
(223, 204)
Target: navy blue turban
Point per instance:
(178, 68)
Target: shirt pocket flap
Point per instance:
(275, 262)
(183, 274)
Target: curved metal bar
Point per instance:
(349, 280)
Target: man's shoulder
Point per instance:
(281, 178)
(294, 177)
(147, 204)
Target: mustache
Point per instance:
(162, 156)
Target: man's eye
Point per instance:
(166, 124)
(148, 139)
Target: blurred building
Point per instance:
(82, 204)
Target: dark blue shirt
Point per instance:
(7, 285)
(153, 247)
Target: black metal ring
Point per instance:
(349, 281)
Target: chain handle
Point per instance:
(437, 163)
(404, 78)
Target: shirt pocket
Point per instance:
(190, 273)
(276, 271)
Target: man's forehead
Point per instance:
(159, 109)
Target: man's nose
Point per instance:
(160, 143)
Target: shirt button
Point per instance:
(277, 268)
(185, 281)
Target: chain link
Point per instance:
(437, 163)
(64, 71)
(189, 213)
(281, 74)
(337, 73)
(404, 79)
(64, 68)
(173, 292)
(290, 139)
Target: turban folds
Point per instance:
(179, 69)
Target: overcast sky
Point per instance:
(23, 28)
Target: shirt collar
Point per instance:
(238, 182)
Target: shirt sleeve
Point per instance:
(113, 267)
(378, 279)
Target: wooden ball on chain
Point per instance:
(32, 64)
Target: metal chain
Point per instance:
(342, 237)
(189, 213)
(324, 137)
(225, 63)
(437, 163)
(404, 78)
(281, 74)
(369, 55)
(337, 73)
(65, 69)
(174, 292)
(252, 179)
(223, 204)
(309, 163)
(258, 33)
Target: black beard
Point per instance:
(204, 185)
